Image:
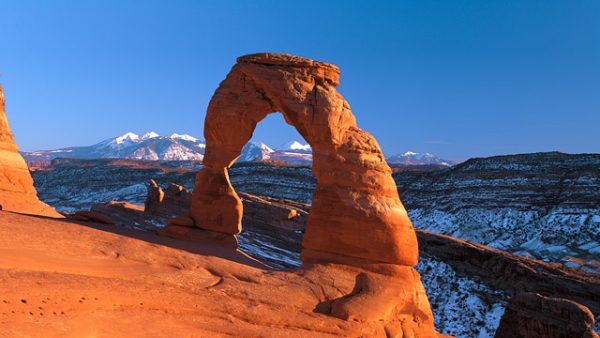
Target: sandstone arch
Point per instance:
(17, 192)
(357, 217)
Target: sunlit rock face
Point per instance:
(16, 185)
(356, 219)
(356, 210)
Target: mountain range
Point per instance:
(181, 147)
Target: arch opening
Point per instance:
(276, 191)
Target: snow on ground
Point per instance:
(258, 247)
(462, 307)
(552, 236)
(184, 137)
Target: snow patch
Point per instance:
(295, 145)
(184, 137)
(127, 137)
(150, 135)
(462, 307)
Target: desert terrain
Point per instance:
(61, 278)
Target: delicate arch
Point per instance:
(356, 216)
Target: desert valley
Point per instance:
(134, 252)
(198, 168)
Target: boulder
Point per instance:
(154, 198)
(172, 201)
(93, 216)
(181, 220)
(531, 315)
(199, 235)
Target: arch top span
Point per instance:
(356, 217)
(323, 70)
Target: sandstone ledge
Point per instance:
(60, 278)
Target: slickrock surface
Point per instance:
(63, 279)
(16, 185)
(273, 227)
(530, 315)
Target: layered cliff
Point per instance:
(543, 205)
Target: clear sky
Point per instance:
(455, 78)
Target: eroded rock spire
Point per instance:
(17, 192)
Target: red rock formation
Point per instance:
(531, 315)
(17, 192)
(154, 198)
(175, 200)
(356, 210)
(93, 216)
(356, 219)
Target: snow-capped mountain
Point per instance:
(292, 153)
(295, 152)
(412, 158)
(255, 151)
(150, 146)
(184, 137)
(181, 147)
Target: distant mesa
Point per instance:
(17, 192)
(413, 158)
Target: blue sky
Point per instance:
(455, 78)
